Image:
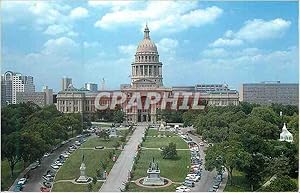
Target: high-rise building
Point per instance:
(266, 93)
(91, 87)
(13, 82)
(49, 95)
(65, 83)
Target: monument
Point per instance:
(83, 178)
(153, 178)
(113, 132)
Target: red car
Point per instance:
(44, 189)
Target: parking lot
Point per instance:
(49, 164)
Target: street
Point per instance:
(119, 172)
(35, 180)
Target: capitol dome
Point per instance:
(146, 45)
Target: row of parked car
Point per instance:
(50, 174)
(216, 183)
(196, 166)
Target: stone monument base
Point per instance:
(83, 179)
(153, 181)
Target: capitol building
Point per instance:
(146, 76)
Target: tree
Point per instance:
(104, 134)
(169, 152)
(281, 184)
(229, 154)
(266, 114)
(11, 150)
(118, 116)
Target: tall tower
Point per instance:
(65, 83)
(146, 69)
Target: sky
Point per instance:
(198, 42)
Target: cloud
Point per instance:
(127, 49)
(169, 16)
(91, 44)
(59, 46)
(226, 42)
(78, 13)
(253, 30)
(56, 29)
(259, 29)
(167, 45)
(114, 5)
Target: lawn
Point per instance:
(6, 180)
(70, 169)
(155, 132)
(175, 170)
(156, 142)
(93, 142)
(70, 187)
(240, 183)
(135, 188)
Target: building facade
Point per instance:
(266, 93)
(49, 95)
(147, 77)
(38, 98)
(91, 87)
(13, 82)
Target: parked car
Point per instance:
(55, 166)
(59, 164)
(182, 189)
(46, 154)
(201, 144)
(99, 147)
(22, 181)
(47, 184)
(189, 183)
(45, 189)
(212, 190)
(48, 179)
(18, 188)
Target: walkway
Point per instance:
(153, 148)
(120, 170)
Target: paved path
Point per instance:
(120, 170)
(153, 148)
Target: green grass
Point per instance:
(155, 132)
(164, 141)
(166, 166)
(70, 169)
(6, 179)
(93, 142)
(135, 188)
(240, 183)
(70, 187)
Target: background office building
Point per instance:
(266, 93)
(65, 83)
(13, 82)
(91, 87)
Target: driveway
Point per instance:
(120, 171)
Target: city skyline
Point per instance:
(233, 43)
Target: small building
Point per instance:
(285, 135)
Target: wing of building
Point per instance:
(147, 77)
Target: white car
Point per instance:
(22, 181)
(46, 154)
(59, 164)
(55, 167)
(182, 189)
(201, 144)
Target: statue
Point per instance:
(153, 177)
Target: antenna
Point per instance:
(102, 84)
